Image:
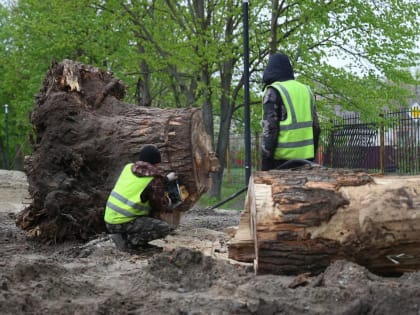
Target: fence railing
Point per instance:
(387, 145)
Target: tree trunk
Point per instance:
(84, 135)
(298, 221)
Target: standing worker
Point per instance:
(290, 122)
(133, 207)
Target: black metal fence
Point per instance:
(389, 145)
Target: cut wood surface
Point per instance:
(242, 247)
(85, 134)
(301, 220)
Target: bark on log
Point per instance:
(84, 134)
(298, 221)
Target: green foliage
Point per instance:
(33, 34)
(189, 53)
(374, 43)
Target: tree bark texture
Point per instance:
(85, 134)
(299, 221)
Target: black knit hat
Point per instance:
(149, 153)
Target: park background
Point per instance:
(360, 59)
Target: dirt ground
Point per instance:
(189, 273)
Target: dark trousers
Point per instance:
(138, 232)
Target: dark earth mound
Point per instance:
(187, 273)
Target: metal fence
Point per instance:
(387, 145)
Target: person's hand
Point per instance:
(172, 176)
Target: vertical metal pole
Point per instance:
(246, 95)
(382, 147)
(6, 112)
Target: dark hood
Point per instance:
(278, 68)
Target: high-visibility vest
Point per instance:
(296, 138)
(124, 202)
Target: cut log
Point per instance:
(299, 221)
(242, 247)
(85, 134)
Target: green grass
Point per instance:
(236, 183)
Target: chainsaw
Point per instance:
(177, 193)
(174, 193)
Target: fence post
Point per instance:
(228, 166)
(3, 154)
(382, 146)
(331, 144)
(6, 117)
(257, 151)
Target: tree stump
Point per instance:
(299, 221)
(85, 134)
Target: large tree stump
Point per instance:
(298, 221)
(84, 135)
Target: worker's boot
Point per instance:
(119, 240)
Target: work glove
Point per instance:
(172, 176)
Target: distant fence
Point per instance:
(9, 162)
(388, 145)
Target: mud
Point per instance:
(186, 273)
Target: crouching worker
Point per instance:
(132, 209)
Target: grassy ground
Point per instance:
(233, 182)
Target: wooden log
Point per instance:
(302, 220)
(85, 134)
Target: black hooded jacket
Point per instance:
(280, 69)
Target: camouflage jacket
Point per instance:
(155, 191)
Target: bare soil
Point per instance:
(187, 273)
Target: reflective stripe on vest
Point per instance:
(296, 134)
(124, 203)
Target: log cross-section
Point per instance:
(85, 134)
(298, 221)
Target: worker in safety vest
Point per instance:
(138, 195)
(290, 122)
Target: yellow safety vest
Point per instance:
(296, 138)
(124, 202)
